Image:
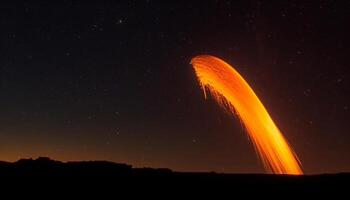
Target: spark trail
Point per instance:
(233, 93)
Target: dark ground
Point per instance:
(108, 178)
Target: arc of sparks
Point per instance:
(233, 93)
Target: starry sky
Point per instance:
(112, 81)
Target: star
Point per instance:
(120, 21)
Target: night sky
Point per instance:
(112, 81)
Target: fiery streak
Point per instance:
(233, 93)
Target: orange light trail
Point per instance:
(233, 93)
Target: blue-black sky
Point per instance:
(112, 81)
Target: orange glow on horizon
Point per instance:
(233, 93)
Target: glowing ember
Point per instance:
(233, 93)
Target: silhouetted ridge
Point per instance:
(94, 174)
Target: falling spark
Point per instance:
(233, 93)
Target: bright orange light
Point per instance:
(233, 93)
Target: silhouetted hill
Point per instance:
(93, 175)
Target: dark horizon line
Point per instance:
(44, 160)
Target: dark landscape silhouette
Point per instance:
(44, 172)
